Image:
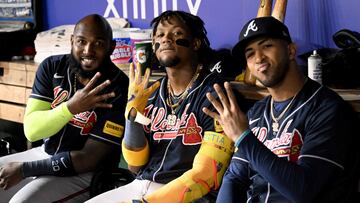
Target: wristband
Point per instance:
(136, 158)
(241, 137)
(134, 134)
(58, 165)
(142, 119)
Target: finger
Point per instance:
(2, 183)
(231, 96)
(100, 87)
(103, 105)
(5, 187)
(146, 77)
(152, 88)
(104, 97)
(222, 96)
(131, 72)
(210, 113)
(138, 73)
(88, 87)
(219, 108)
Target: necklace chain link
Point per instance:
(183, 95)
(275, 124)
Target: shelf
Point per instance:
(256, 93)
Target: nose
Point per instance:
(88, 48)
(259, 56)
(167, 38)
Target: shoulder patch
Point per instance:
(113, 129)
(217, 126)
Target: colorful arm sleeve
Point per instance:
(208, 168)
(40, 121)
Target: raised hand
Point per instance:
(231, 118)
(90, 97)
(10, 174)
(138, 92)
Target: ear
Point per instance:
(196, 44)
(71, 39)
(292, 51)
(112, 46)
(153, 45)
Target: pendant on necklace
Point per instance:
(171, 119)
(275, 126)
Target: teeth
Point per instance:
(87, 60)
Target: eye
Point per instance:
(99, 44)
(80, 42)
(178, 33)
(249, 54)
(160, 34)
(268, 45)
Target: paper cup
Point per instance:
(143, 55)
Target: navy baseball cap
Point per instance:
(258, 27)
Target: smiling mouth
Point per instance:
(87, 61)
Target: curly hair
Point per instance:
(196, 27)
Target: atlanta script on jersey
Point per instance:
(175, 139)
(54, 83)
(310, 158)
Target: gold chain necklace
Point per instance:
(180, 98)
(75, 83)
(275, 124)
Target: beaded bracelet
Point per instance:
(241, 137)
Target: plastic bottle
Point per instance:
(314, 68)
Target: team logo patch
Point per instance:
(291, 151)
(217, 126)
(192, 131)
(113, 129)
(85, 121)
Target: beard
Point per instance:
(278, 76)
(169, 62)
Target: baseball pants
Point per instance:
(44, 188)
(134, 190)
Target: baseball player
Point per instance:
(178, 152)
(75, 107)
(296, 145)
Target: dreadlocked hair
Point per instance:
(196, 27)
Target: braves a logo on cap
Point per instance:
(252, 26)
(216, 67)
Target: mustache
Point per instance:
(76, 67)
